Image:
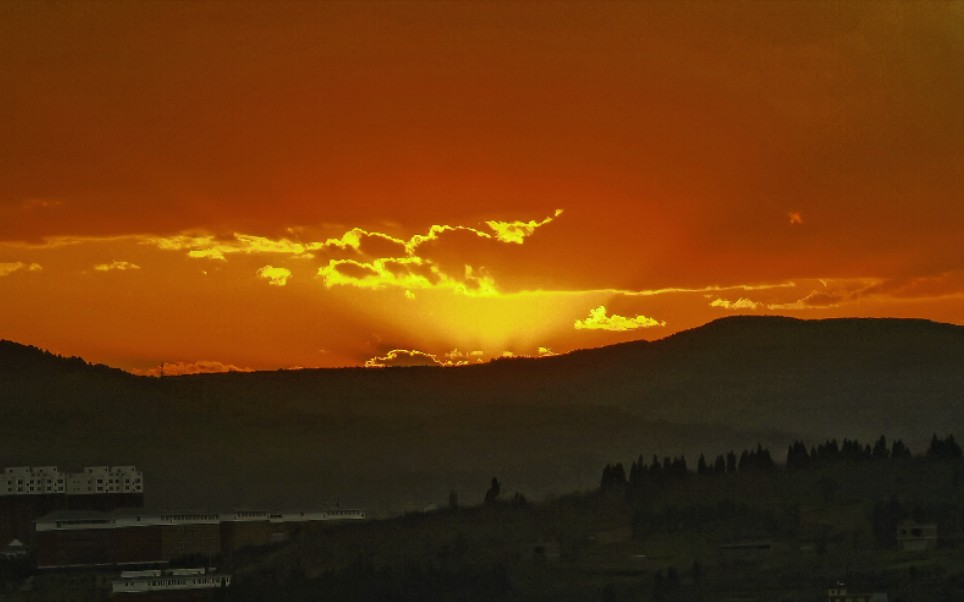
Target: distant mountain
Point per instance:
(406, 435)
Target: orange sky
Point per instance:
(265, 185)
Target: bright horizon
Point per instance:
(259, 186)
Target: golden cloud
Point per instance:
(741, 303)
(407, 273)
(403, 358)
(116, 265)
(275, 276)
(359, 240)
(456, 357)
(382, 260)
(9, 268)
(714, 288)
(814, 300)
(516, 232)
(834, 293)
(598, 320)
(435, 232)
(206, 246)
(355, 238)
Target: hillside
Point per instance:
(808, 529)
(402, 437)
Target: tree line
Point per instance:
(799, 456)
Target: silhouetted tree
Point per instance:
(880, 449)
(637, 472)
(797, 456)
(619, 474)
(493, 493)
(944, 449)
(656, 469)
(731, 462)
(613, 476)
(701, 467)
(453, 500)
(899, 451)
(719, 465)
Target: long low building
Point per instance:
(29, 492)
(67, 538)
(180, 584)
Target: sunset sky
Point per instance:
(266, 185)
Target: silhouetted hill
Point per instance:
(856, 375)
(401, 437)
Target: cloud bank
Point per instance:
(115, 265)
(598, 320)
(9, 268)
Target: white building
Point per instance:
(93, 480)
(841, 594)
(331, 514)
(38, 480)
(170, 580)
(916, 537)
(32, 480)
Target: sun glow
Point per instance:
(401, 185)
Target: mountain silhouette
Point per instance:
(398, 437)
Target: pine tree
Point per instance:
(493, 493)
(880, 449)
(719, 465)
(731, 462)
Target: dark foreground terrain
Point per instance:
(760, 533)
(751, 530)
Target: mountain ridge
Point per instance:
(404, 436)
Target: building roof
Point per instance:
(59, 515)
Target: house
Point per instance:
(841, 594)
(171, 584)
(14, 550)
(545, 551)
(746, 551)
(916, 537)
